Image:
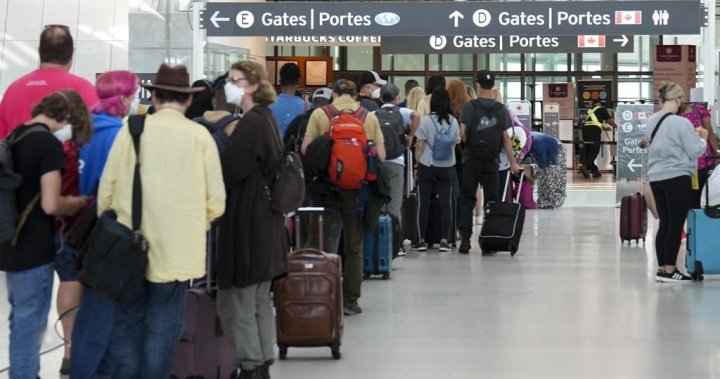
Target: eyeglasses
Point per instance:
(232, 80)
(53, 26)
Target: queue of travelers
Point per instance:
(83, 150)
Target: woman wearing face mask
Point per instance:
(250, 253)
(674, 148)
(38, 159)
(117, 93)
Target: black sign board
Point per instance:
(632, 121)
(486, 18)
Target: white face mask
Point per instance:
(234, 94)
(376, 93)
(64, 134)
(134, 106)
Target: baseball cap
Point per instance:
(389, 91)
(324, 93)
(370, 77)
(486, 79)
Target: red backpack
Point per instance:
(347, 168)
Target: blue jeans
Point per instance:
(91, 336)
(29, 294)
(146, 333)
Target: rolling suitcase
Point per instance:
(204, 351)
(633, 218)
(410, 203)
(378, 249)
(309, 303)
(503, 224)
(703, 254)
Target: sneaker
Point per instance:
(352, 309)
(584, 172)
(65, 367)
(659, 275)
(444, 245)
(464, 247)
(420, 246)
(675, 277)
(596, 173)
(401, 253)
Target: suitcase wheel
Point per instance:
(282, 351)
(386, 276)
(366, 275)
(336, 350)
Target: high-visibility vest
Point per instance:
(592, 119)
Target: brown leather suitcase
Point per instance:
(308, 300)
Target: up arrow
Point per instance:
(457, 16)
(632, 165)
(624, 40)
(214, 19)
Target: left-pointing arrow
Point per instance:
(214, 19)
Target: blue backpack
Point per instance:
(217, 129)
(442, 146)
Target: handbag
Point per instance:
(115, 257)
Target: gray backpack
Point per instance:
(393, 130)
(11, 220)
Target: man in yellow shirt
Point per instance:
(182, 193)
(344, 205)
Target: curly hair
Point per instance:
(67, 106)
(255, 74)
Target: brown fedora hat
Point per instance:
(174, 79)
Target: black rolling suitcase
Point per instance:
(503, 224)
(410, 203)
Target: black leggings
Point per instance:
(591, 134)
(673, 198)
(435, 180)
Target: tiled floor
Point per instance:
(573, 303)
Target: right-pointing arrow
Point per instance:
(624, 40)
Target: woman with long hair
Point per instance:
(250, 253)
(673, 149)
(117, 93)
(435, 82)
(436, 163)
(458, 96)
(414, 97)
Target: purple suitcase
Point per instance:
(204, 351)
(633, 218)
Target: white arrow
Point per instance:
(457, 16)
(624, 40)
(632, 164)
(214, 19)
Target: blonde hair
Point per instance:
(670, 91)
(414, 96)
(458, 96)
(497, 95)
(255, 74)
(471, 92)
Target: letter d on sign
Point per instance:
(438, 42)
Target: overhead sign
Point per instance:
(632, 121)
(507, 44)
(296, 40)
(413, 18)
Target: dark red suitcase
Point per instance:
(633, 218)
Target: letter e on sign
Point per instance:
(245, 19)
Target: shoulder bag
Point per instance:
(115, 257)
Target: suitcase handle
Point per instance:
(507, 183)
(309, 252)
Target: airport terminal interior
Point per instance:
(574, 302)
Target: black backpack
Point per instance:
(295, 132)
(393, 129)
(217, 129)
(11, 219)
(484, 134)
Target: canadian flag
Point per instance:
(591, 41)
(628, 17)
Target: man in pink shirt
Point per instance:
(56, 53)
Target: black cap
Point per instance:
(486, 79)
(370, 77)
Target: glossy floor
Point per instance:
(573, 303)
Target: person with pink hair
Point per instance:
(117, 91)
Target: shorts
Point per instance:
(65, 262)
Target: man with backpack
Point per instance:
(295, 132)
(398, 126)
(483, 123)
(348, 127)
(288, 105)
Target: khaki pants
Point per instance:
(247, 317)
